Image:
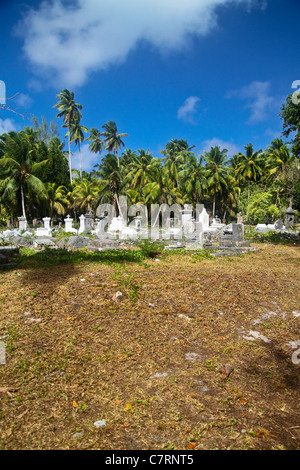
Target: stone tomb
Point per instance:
(233, 236)
(46, 230)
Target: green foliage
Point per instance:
(296, 195)
(261, 208)
(274, 237)
(37, 179)
(29, 257)
(150, 248)
(57, 169)
(290, 113)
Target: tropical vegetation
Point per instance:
(37, 178)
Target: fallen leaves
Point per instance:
(7, 390)
(128, 407)
(226, 370)
(191, 445)
(22, 414)
(108, 353)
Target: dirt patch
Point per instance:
(195, 354)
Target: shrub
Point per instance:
(261, 209)
(150, 248)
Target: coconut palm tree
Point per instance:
(18, 168)
(57, 199)
(216, 173)
(250, 166)
(112, 140)
(68, 110)
(161, 189)
(176, 154)
(193, 180)
(75, 132)
(140, 169)
(96, 144)
(111, 184)
(127, 157)
(279, 158)
(280, 167)
(84, 194)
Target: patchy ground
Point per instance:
(195, 354)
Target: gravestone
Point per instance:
(278, 224)
(187, 223)
(82, 224)
(237, 232)
(88, 220)
(69, 225)
(261, 228)
(238, 236)
(22, 223)
(289, 218)
(46, 230)
(204, 219)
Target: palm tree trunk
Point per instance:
(23, 201)
(80, 160)
(156, 216)
(214, 206)
(117, 205)
(70, 164)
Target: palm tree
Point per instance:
(57, 199)
(18, 168)
(176, 153)
(279, 164)
(75, 132)
(112, 140)
(140, 169)
(68, 110)
(193, 180)
(280, 160)
(111, 183)
(84, 194)
(161, 189)
(96, 144)
(127, 159)
(217, 174)
(250, 166)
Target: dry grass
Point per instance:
(179, 373)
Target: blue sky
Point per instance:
(213, 72)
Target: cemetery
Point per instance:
(148, 302)
(102, 232)
(196, 347)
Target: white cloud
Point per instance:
(7, 125)
(258, 99)
(273, 134)
(188, 110)
(215, 142)
(88, 158)
(23, 100)
(66, 41)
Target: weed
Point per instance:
(151, 248)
